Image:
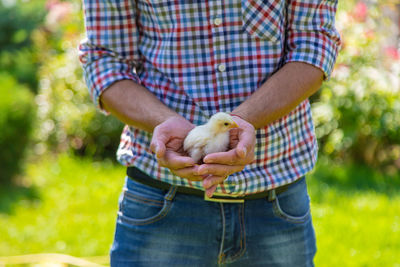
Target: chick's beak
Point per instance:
(234, 125)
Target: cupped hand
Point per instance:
(167, 144)
(218, 166)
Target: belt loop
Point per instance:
(271, 195)
(171, 193)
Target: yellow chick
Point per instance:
(210, 137)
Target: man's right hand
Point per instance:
(167, 144)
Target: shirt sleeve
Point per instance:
(109, 52)
(311, 34)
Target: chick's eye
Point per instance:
(226, 124)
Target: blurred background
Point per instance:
(59, 182)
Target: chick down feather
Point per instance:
(209, 138)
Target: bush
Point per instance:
(67, 118)
(18, 20)
(357, 113)
(17, 113)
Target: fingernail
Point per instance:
(188, 164)
(208, 161)
(202, 171)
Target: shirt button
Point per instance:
(217, 21)
(221, 67)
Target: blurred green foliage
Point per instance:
(357, 113)
(18, 21)
(67, 119)
(17, 112)
(18, 78)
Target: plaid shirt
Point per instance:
(202, 57)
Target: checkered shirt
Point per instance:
(202, 57)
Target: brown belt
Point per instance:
(141, 177)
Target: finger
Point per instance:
(213, 180)
(246, 142)
(189, 173)
(174, 160)
(219, 169)
(228, 158)
(210, 191)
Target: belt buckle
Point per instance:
(215, 198)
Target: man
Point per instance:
(163, 67)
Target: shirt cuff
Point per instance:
(101, 74)
(316, 48)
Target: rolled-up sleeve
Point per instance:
(109, 52)
(311, 34)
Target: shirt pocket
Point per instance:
(157, 16)
(264, 19)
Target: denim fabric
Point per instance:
(160, 228)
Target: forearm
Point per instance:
(134, 105)
(280, 94)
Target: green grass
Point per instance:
(68, 205)
(72, 209)
(356, 214)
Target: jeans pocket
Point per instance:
(263, 19)
(293, 205)
(143, 204)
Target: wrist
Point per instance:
(167, 116)
(237, 115)
(175, 122)
(242, 117)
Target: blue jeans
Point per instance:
(159, 228)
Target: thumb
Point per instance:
(246, 142)
(210, 191)
(158, 142)
(241, 150)
(158, 148)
